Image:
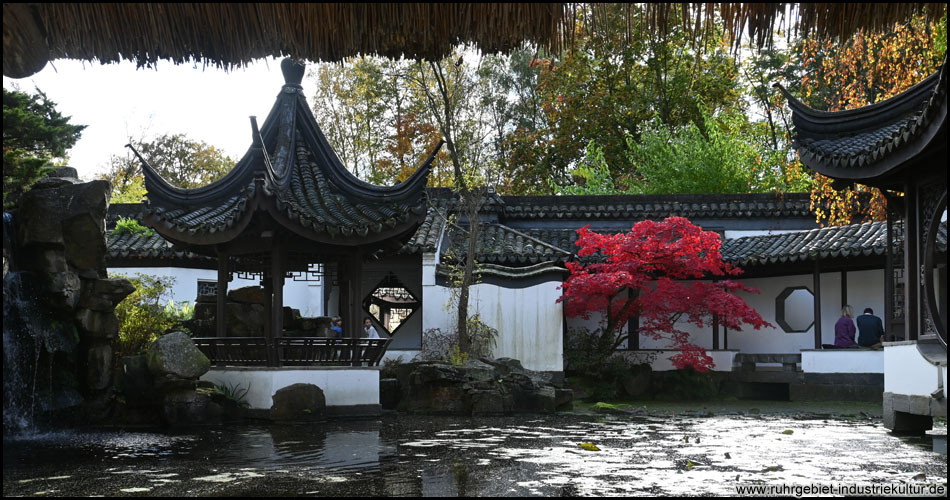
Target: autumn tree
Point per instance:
(35, 134)
(655, 272)
(867, 68)
(618, 81)
(455, 101)
(182, 161)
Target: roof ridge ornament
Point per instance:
(293, 70)
(258, 143)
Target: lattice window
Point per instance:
(207, 287)
(391, 303)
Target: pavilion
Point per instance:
(288, 206)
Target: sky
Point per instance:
(117, 101)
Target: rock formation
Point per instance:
(58, 253)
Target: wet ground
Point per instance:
(675, 450)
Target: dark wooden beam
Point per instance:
(844, 288)
(715, 332)
(633, 326)
(277, 309)
(352, 324)
(222, 295)
(911, 274)
(816, 284)
(268, 285)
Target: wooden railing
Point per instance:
(291, 351)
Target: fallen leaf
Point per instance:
(788, 431)
(588, 446)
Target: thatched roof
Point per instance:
(233, 34)
(226, 34)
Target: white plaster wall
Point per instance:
(529, 321)
(907, 372)
(842, 361)
(342, 386)
(865, 289)
(307, 296)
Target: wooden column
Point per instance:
(277, 307)
(715, 328)
(633, 326)
(352, 324)
(715, 332)
(844, 288)
(816, 284)
(911, 273)
(222, 295)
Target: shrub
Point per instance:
(127, 225)
(142, 317)
(390, 367)
(439, 345)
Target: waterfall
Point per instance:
(38, 349)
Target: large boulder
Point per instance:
(175, 355)
(135, 380)
(104, 294)
(192, 407)
(98, 324)
(243, 320)
(45, 217)
(99, 367)
(247, 295)
(299, 402)
(478, 387)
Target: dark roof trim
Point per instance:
(874, 143)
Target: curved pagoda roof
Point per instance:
(290, 179)
(875, 144)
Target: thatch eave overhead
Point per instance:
(233, 34)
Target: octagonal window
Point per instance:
(391, 303)
(795, 309)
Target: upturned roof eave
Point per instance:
(883, 162)
(268, 179)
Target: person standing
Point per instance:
(870, 329)
(844, 328)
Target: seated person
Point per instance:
(336, 325)
(870, 329)
(844, 328)
(369, 332)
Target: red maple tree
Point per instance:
(656, 272)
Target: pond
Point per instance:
(690, 453)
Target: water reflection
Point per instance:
(421, 456)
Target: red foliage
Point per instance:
(653, 272)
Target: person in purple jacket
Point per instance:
(844, 328)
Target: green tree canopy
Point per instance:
(34, 135)
(182, 161)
